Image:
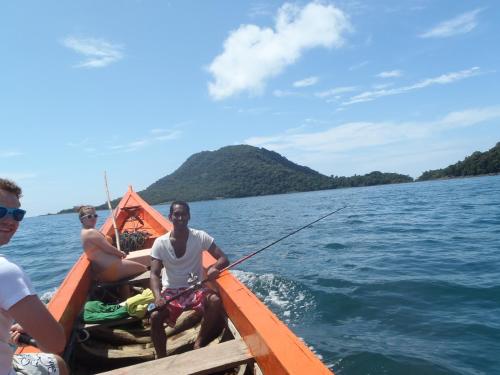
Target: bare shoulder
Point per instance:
(90, 233)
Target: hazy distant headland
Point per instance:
(244, 171)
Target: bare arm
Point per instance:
(155, 281)
(222, 261)
(37, 321)
(98, 240)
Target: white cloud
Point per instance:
(283, 93)
(359, 65)
(131, 146)
(461, 24)
(167, 135)
(306, 82)
(469, 117)
(440, 80)
(252, 55)
(260, 10)
(356, 135)
(98, 53)
(335, 91)
(380, 86)
(10, 154)
(154, 135)
(18, 176)
(85, 145)
(390, 74)
(350, 140)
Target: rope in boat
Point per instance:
(131, 241)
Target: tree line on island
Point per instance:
(244, 171)
(479, 163)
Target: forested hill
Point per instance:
(243, 171)
(479, 163)
(234, 171)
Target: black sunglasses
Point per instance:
(90, 216)
(16, 213)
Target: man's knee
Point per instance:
(155, 316)
(214, 301)
(158, 317)
(63, 368)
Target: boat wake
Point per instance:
(288, 299)
(47, 296)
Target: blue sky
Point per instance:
(136, 87)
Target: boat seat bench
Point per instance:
(203, 361)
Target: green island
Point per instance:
(245, 171)
(479, 163)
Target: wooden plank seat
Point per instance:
(206, 360)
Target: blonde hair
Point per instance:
(82, 209)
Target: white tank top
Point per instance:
(177, 270)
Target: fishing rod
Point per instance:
(197, 284)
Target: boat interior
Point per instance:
(123, 346)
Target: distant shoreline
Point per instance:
(294, 192)
(458, 177)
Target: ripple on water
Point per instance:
(335, 246)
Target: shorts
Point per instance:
(35, 364)
(190, 301)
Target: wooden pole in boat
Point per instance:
(152, 307)
(117, 236)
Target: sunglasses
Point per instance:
(16, 213)
(90, 216)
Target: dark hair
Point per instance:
(179, 203)
(11, 187)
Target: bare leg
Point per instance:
(63, 368)
(213, 313)
(130, 268)
(124, 291)
(158, 335)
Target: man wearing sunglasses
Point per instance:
(18, 302)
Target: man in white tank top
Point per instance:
(180, 253)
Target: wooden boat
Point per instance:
(252, 341)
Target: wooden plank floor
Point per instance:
(203, 361)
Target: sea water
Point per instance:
(406, 279)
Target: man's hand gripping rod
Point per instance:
(198, 284)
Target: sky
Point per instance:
(134, 88)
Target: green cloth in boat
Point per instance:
(96, 311)
(138, 304)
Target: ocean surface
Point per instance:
(405, 280)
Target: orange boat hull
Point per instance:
(276, 349)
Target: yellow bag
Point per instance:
(137, 305)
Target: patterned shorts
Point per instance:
(35, 364)
(190, 301)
